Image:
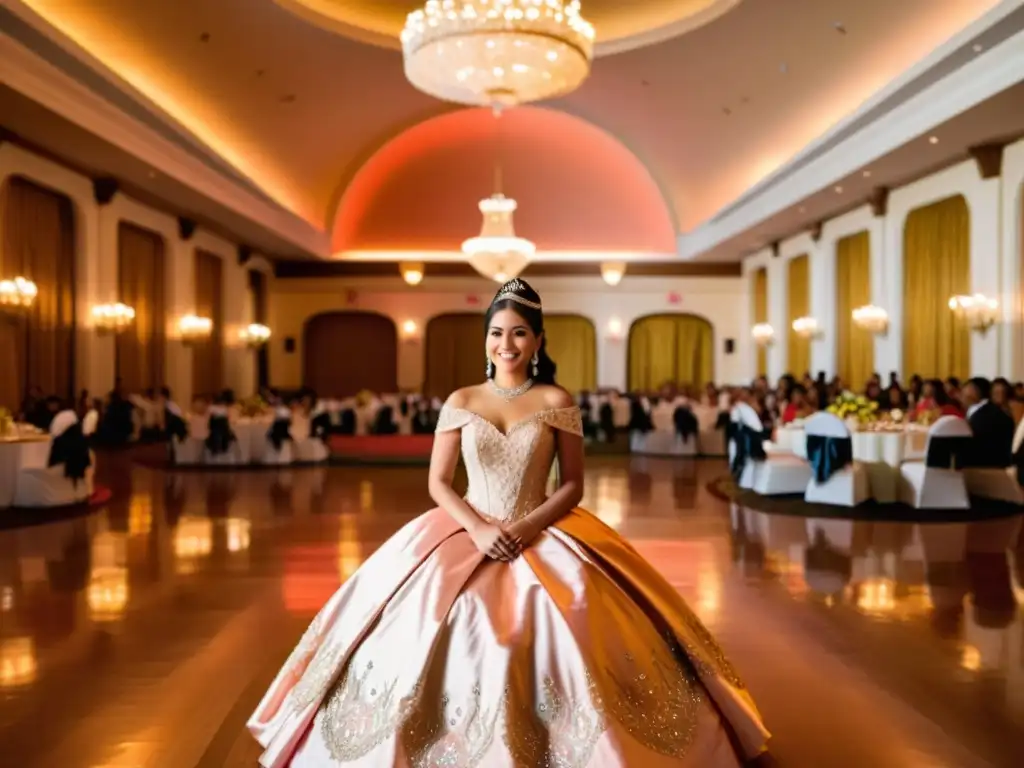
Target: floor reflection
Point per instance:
(142, 634)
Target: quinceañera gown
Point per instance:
(576, 654)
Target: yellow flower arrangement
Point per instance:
(251, 407)
(6, 421)
(851, 406)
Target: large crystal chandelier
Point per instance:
(497, 52)
(497, 253)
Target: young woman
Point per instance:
(508, 627)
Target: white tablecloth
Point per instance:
(15, 455)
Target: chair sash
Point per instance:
(221, 437)
(347, 422)
(828, 455)
(685, 422)
(749, 446)
(1018, 462)
(279, 432)
(724, 422)
(71, 449)
(176, 427)
(320, 426)
(948, 452)
(639, 418)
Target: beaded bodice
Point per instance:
(508, 471)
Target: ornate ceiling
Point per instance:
(711, 96)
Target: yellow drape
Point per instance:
(140, 278)
(936, 266)
(798, 293)
(454, 353)
(761, 315)
(855, 347)
(38, 243)
(670, 349)
(208, 356)
(572, 344)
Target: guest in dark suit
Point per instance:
(992, 426)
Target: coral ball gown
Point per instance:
(577, 654)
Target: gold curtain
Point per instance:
(761, 315)
(140, 278)
(670, 349)
(208, 356)
(572, 343)
(936, 266)
(455, 355)
(855, 347)
(798, 292)
(347, 352)
(38, 244)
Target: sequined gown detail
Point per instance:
(575, 655)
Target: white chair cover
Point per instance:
(41, 487)
(936, 487)
(846, 487)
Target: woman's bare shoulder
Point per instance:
(463, 397)
(555, 397)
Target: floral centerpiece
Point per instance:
(252, 407)
(6, 422)
(854, 409)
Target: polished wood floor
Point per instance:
(145, 633)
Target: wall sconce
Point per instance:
(255, 335)
(871, 318)
(193, 330)
(112, 318)
(615, 329)
(410, 331)
(412, 272)
(763, 334)
(805, 327)
(17, 295)
(978, 310)
(612, 272)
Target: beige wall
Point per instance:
(294, 301)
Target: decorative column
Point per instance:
(99, 353)
(180, 300)
(989, 275)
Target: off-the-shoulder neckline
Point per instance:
(513, 427)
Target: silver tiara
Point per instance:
(508, 291)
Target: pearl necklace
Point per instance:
(511, 393)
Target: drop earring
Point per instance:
(490, 368)
(535, 360)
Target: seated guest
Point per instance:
(798, 407)
(934, 402)
(1002, 395)
(894, 399)
(993, 428)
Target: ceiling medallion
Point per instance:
(497, 53)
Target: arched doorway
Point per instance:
(346, 352)
(454, 353)
(38, 243)
(670, 349)
(572, 344)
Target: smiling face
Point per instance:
(511, 343)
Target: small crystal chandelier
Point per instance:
(871, 318)
(613, 271)
(763, 334)
(194, 329)
(18, 294)
(497, 253)
(978, 310)
(112, 318)
(255, 335)
(805, 327)
(497, 52)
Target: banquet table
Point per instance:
(22, 451)
(882, 451)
